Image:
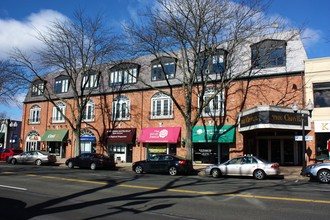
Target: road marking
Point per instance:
(279, 198)
(13, 187)
(175, 190)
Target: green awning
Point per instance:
(55, 135)
(220, 134)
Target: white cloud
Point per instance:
(311, 37)
(21, 34)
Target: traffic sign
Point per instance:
(299, 138)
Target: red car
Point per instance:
(8, 152)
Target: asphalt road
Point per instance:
(47, 192)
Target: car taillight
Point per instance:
(182, 162)
(275, 166)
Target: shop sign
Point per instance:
(322, 126)
(299, 138)
(157, 149)
(122, 135)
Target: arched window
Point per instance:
(161, 106)
(34, 115)
(58, 113)
(89, 112)
(121, 108)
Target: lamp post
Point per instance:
(296, 108)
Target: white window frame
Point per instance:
(37, 89)
(161, 106)
(128, 76)
(214, 108)
(117, 106)
(35, 115)
(89, 112)
(64, 85)
(57, 116)
(92, 81)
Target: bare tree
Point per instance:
(76, 50)
(192, 33)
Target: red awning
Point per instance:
(160, 135)
(121, 135)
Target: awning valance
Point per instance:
(217, 134)
(55, 135)
(121, 135)
(160, 135)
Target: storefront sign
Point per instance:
(54, 135)
(220, 134)
(322, 126)
(157, 149)
(160, 135)
(121, 135)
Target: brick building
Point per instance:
(145, 121)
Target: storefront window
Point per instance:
(322, 140)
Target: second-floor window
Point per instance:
(34, 115)
(58, 113)
(89, 112)
(215, 106)
(121, 108)
(161, 106)
(268, 53)
(123, 74)
(213, 64)
(61, 84)
(90, 81)
(321, 94)
(38, 88)
(165, 67)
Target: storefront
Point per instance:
(56, 141)
(272, 133)
(120, 143)
(211, 143)
(322, 139)
(32, 141)
(160, 140)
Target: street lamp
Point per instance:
(296, 108)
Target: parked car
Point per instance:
(244, 166)
(163, 163)
(320, 171)
(33, 157)
(92, 161)
(7, 152)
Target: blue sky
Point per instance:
(18, 17)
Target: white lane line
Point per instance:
(12, 187)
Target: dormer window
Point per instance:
(90, 81)
(61, 84)
(268, 53)
(38, 88)
(212, 63)
(161, 68)
(122, 74)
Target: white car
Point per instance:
(244, 166)
(320, 171)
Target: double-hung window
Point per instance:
(38, 88)
(121, 108)
(89, 111)
(213, 103)
(58, 113)
(34, 115)
(161, 106)
(213, 63)
(268, 53)
(90, 81)
(163, 68)
(61, 84)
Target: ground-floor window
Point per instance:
(32, 145)
(86, 147)
(211, 153)
(161, 148)
(57, 148)
(122, 152)
(322, 143)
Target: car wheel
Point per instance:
(93, 166)
(70, 165)
(138, 169)
(173, 171)
(13, 161)
(259, 174)
(38, 162)
(323, 176)
(215, 173)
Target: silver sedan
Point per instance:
(244, 166)
(320, 171)
(33, 157)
